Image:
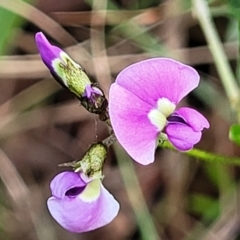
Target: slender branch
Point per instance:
(226, 75)
(109, 140)
(143, 216)
(206, 156)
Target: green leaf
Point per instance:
(204, 205)
(234, 133)
(8, 21)
(234, 6)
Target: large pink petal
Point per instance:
(193, 118)
(77, 215)
(159, 77)
(182, 136)
(128, 115)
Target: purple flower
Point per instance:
(80, 204)
(142, 106)
(72, 76)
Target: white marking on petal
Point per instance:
(165, 106)
(64, 56)
(92, 191)
(56, 64)
(157, 119)
(158, 116)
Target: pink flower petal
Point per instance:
(192, 117)
(133, 129)
(182, 136)
(158, 77)
(47, 51)
(78, 215)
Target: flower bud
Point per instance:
(73, 77)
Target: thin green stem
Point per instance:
(203, 14)
(206, 156)
(238, 59)
(143, 217)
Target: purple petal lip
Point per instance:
(192, 117)
(174, 118)
(47, 51)
(182, 136)
(65, 181)
(72, 212)
(91, 90)
(185, 137)
(73, 192)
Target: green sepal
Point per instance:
(162, 138)
(92, 162)
(70, 74)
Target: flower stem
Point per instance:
(203, 14)
(206, 156)
(143, 217)
(109, 140)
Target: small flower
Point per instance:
(72, 76)
(81, 204)
(69, 73)
(142, 107)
